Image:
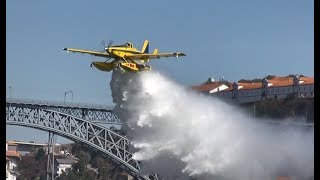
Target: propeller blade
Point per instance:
(110, 43)
(103, 43)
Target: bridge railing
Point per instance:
(58, 103)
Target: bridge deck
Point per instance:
(94, 113)
(60, 104)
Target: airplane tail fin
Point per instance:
(145, 47)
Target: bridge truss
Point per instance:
(94, 113)
(79, 130)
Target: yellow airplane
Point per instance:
(125, 56)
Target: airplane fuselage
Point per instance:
(121, 52)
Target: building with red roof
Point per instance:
(12, 158)
(272, 88)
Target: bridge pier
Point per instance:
(50, 162)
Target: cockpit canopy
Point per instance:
(129, 44)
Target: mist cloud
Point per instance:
(179, 133)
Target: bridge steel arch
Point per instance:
(91, 134)
(94, 113)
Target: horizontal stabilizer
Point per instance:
(155, 51)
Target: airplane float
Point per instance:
(125, 56)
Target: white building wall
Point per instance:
(63, 167)
(306, 90)
(254, 95)
(11, 177)
(11, 164)
(279, 92)
(249, 95)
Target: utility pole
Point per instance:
(65, 95)
(50, 162)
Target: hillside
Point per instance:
(277, 109)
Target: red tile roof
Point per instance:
(276, 78)
(280, 83)
(12, 154)
(288, 81)
(207, 87)
(250, 85)
(11, 143)
(275, 82)
(307, 80)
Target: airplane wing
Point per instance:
(153, 56)
(94, 53)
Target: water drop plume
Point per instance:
(179, 133)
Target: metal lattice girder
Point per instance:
(93, 113)
(95, 136)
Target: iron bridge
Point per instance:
(94, 113)
(46, 117)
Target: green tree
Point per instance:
(76, 147)
(31, 168)
(40, 154)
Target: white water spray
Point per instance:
(179, 133)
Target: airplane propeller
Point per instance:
(110, 43)
(106, 45)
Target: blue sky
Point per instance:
(236, 39)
